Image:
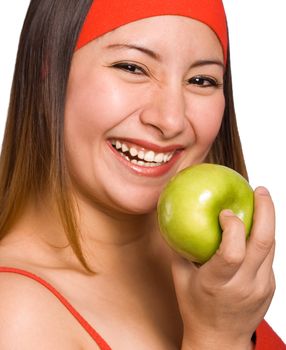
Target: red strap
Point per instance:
(267, 339)
(90, 330)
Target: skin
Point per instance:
(143, 296)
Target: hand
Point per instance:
(223, 301)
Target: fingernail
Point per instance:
(227, 212)
(262, 190)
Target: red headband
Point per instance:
(106, 15)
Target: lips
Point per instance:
(145, 158)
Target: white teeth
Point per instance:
(141, 155)
(124, 148)
(140, 162)
(133, 152)
(159, 158)
(149, 156)
(118, 145)
(169, 156)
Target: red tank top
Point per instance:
(266, 338)
(90, 330)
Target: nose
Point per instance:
(166, 112)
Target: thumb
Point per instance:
(231, 253)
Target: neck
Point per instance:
(111, 238)
(108, 239)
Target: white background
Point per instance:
(257, 33)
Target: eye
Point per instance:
(204, 81)
(130, 68)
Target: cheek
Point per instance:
(208, 114)
(94, 105)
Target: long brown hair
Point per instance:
(227, 149)
(33, 158)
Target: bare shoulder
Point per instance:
(31, 317)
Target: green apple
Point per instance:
(189, 208)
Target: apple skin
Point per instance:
(189, 207)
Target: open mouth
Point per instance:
(141, 157)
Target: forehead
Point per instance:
(162, 24)
(166, 30)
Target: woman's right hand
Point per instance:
(223, 301)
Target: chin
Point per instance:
(136, 204)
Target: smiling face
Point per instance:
(143, 102)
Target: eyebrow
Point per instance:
(148, 52)
(156, 56)
(201, 63)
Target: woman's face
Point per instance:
(143, 102)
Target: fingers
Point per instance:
(231, 253)
(266, 268)
(181, 269)
(183, 276)
(261, 243)
(234, 254)
(265, 277)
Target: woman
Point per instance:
(109, 101)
